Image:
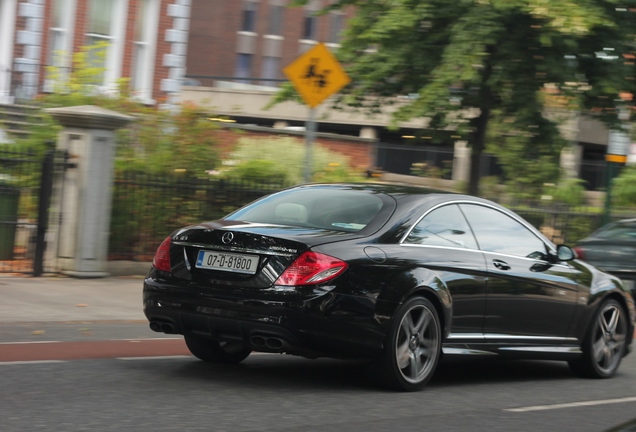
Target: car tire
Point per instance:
(604, 344)
(216, 352)
(412, 349)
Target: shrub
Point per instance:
(569, 191)
(624, 191)
(288, 155)
(258, 170)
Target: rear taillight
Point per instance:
(162, 256)
(579, 253)
(311, 268)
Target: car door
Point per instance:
(443, 242)
(527, 294)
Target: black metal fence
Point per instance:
(26, 180)
(147, 208)
(593, 174)
(433, 161)
(399, 159)
(566, 225)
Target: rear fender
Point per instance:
(606, 286)
(422, 282)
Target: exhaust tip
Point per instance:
(274, 343)
(155, 326)
(167, 328)
(257, 341)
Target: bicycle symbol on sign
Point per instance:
(317, 79)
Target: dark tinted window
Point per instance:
(249, 16)
(498, 232)
(445, 226)
(618, 231)
(309, 28)
(333, 209)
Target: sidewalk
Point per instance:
(63, 299)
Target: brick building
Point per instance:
(250, 41)
(146, 41)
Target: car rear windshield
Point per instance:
(618, 231)
(328, 208)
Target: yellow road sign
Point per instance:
(316, 74)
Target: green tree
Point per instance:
(476, 65)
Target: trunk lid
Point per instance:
(242, 254)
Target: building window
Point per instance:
(106, 26)
(335, 28)
(58, 55)
(276, 20)
(243, 67)
(99, 19)
(271, 71)
(249, 16)
(99, 33)
(309, 28)
(146, 21)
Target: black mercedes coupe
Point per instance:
(390, 275)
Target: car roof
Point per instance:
(404, 193)
(623, 221)
(387, 188)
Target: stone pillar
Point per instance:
(570, 160)
(369, 133)
(572, 154)
(461, 161)
(280, 125)
(80, 239)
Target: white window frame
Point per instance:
(115, 52)
(142, 83)
(63, 59)
(8, 12)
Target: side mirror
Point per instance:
(565, 253)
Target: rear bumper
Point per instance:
(332, 325)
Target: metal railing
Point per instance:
(147, 208)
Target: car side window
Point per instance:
(445, 226)
(618, 231)
(498, 232)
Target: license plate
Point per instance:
(225, 261)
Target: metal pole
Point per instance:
(609, 176)
(310, 132)
(46, 190)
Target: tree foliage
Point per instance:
(625, 188)
(488, 69)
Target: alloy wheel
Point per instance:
(608, 338)
(417, 344)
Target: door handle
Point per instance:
(501, 265)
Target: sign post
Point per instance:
(617, 149)
(316, 75)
